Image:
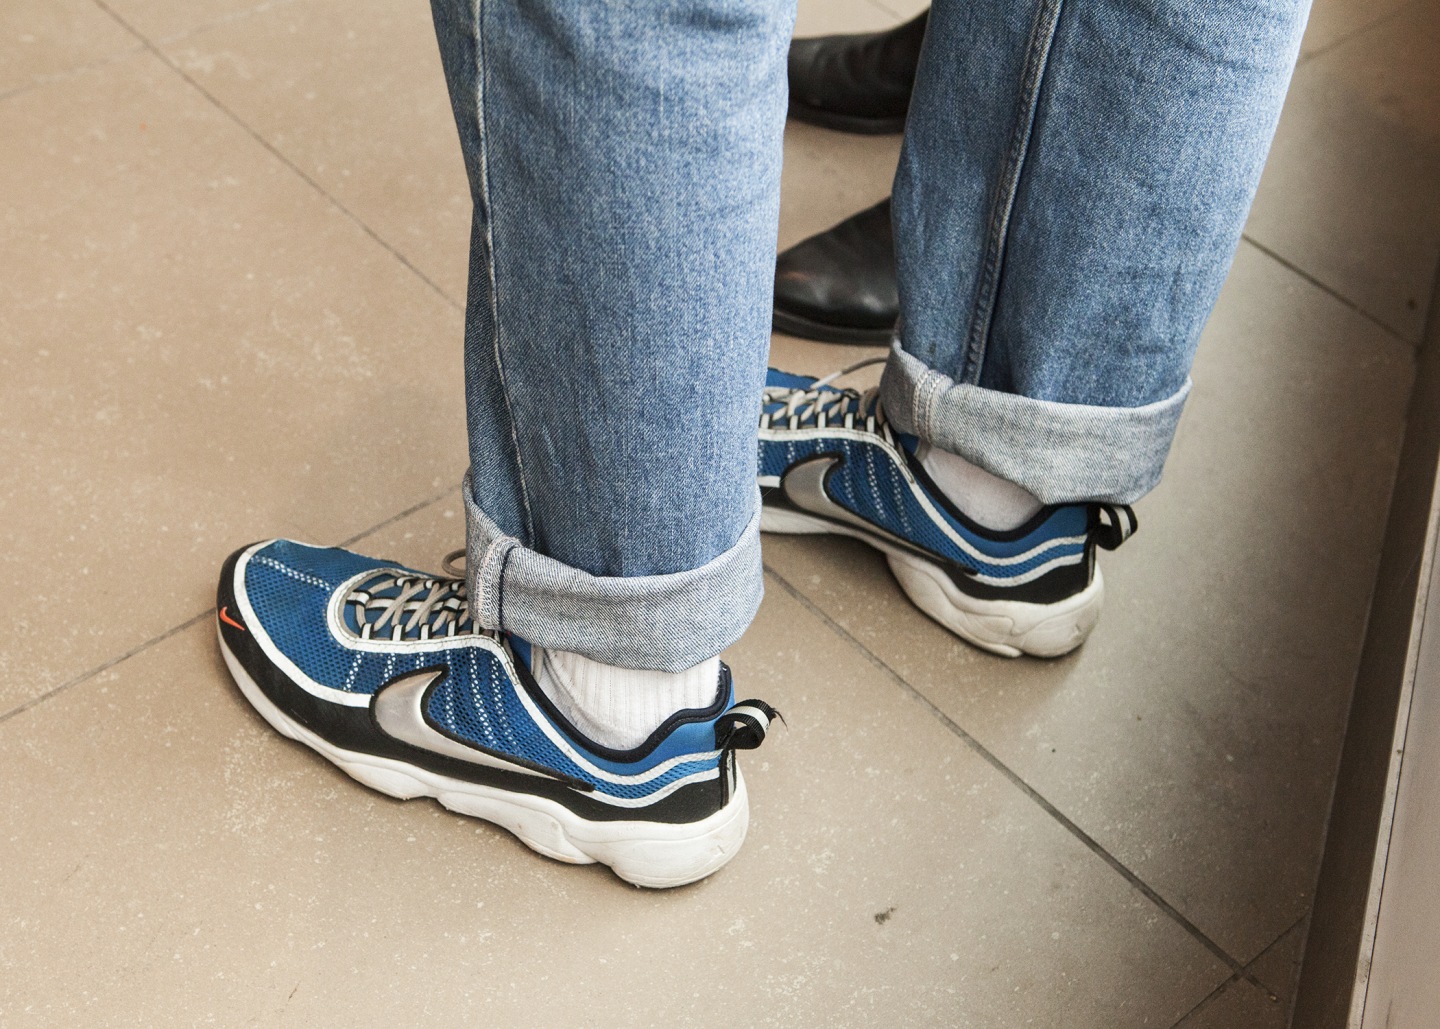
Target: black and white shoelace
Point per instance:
(396, 605)
(820, 406)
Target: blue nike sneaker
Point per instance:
(381, 670)
(830, 463)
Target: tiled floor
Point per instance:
(232, 261)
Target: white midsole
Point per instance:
(1006, 627)
(653, 854)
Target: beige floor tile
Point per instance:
(826, 17)
(805, 357)
(1196, 734)
(323, 100)
(171, 860)
(1239, 1006)
(363, 110)
(1278, 968)
(161, 20)
(829, 176)
(1349, 194)
(904, 9)
(1393, 66)
(198, 350)
(43, 38)
(1334, 21)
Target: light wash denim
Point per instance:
(1071, 191)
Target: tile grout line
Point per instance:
(1206, 1001)
(1237, 968)
(139, 47)
(1274, 993)
(1210, 997)
(175, 630)
(880, 5)
(274, 152)
(55, 691)
(1329, 290)
(386, 523)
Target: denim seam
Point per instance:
(484, 165)
(500, 588)
(920, 405)
(498, 550)
(1062, 453)
(987, 290)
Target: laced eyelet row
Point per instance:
(397, 606)
(819, 405)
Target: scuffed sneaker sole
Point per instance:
(1005, 627)
(657, 855)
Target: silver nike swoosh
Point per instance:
(399, 710)
(804, 486)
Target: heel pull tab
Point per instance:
(743, 727)
(1112, 524)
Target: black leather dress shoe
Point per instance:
(839, 286)
(856, 83)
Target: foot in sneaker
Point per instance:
(381, 670)
(830, 463)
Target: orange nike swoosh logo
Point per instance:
(228, 620)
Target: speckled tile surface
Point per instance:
(230, 276)
(210, 868)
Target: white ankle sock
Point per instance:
(620, 707)
(994, 502)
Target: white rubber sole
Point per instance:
(1005, 627)
(657, 855)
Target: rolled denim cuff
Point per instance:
(665, 623)
(1062, 453)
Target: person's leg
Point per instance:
(1059, 249)
(624, 161)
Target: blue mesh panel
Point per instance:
(775, 457)
(328, 563)
(289, 587)
(476, 702)
(292, 611)
(871, 484)
(774, 377)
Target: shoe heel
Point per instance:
(693, 853)
(1005, 627)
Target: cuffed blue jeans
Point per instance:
(1071, 190)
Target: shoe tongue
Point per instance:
(522, 651)
(381, 587)
(349, 614)
(777, 379)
